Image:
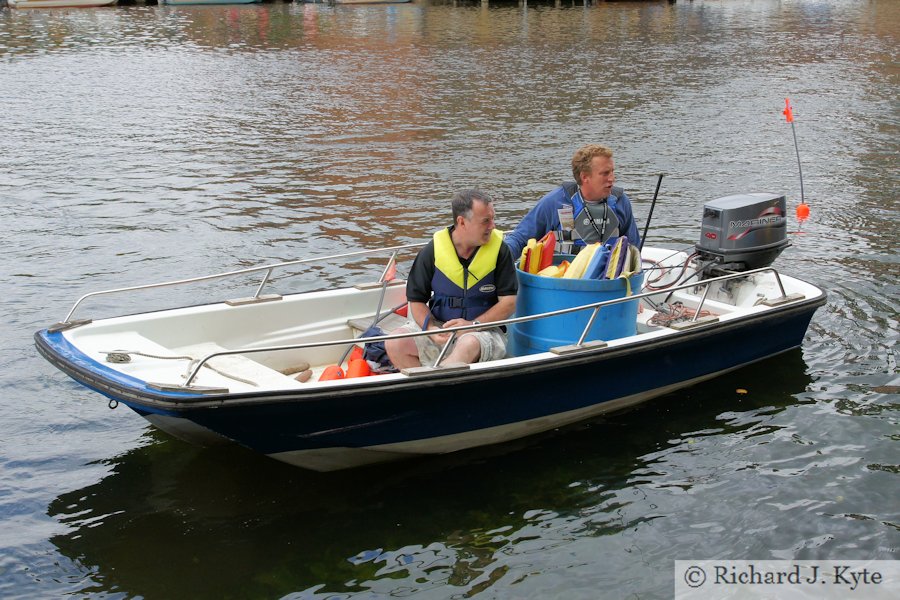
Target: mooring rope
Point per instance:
(124, 356)
(667, 314)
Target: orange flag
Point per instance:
(788, 111)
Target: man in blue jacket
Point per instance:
(585, 211)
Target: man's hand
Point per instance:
(441, 338)
(456, 323)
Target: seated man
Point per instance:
(587, 210)
(464, 275)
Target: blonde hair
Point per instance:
(584, 156)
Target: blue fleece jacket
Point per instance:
(544, 218)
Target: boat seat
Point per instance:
(148, 361)
(387, 324)
(232, 368)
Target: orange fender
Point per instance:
(358, 368)
(332, 372)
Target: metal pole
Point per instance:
(799, 168)
(650, 216)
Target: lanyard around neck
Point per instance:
(590, 217)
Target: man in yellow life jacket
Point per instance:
(464, 276)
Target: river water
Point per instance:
(142, 143)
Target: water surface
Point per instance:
(143, 143)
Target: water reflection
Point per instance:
(172, 521)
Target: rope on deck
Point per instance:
(124, 356)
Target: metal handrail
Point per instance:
(595, 306)
(267, 268)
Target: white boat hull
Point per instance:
(243, 394)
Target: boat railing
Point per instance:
(595, 307)
(265, 269)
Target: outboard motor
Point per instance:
(742, 232)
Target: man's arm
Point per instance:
(629, 225)
(507, 286)
(418, 287)
(419, 311)
(418, 284)
(505, 307)
(539, 220)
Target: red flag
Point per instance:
(788, 111)
(391, 271)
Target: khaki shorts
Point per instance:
(492, 341)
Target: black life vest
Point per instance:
(594, 222)
(461, 292)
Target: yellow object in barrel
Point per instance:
(576, 269)
(534, 261)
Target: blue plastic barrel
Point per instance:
(544, 294)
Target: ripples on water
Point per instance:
(143, 143)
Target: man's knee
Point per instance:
(391, 346)
(401, 348)
(395, 347)
(469, 348)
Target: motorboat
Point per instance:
(370, 1)
(196, 2)
(59, 3)
(227, 371)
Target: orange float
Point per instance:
(332, 372)
(358, 367)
